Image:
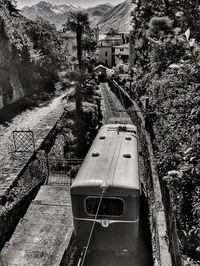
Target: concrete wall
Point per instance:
(122, 51)
(102, 57)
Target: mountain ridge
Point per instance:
(57, 14)
(118, 17)
(104, 16)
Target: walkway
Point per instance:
(40, 121)
(44, 233)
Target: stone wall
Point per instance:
(14, 204)
(11, 88)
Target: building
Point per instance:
(94, 34)
(104, 51)
(70, 43)
(101, 69)
(113, 37)
(114, 49)
(121, 53)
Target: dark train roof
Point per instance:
(111, 161)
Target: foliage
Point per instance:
(47, 53)
(31, 50)
(79, 23)
(166, 61)
(89, 44)
(157, 24)
(174, 97)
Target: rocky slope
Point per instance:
(57, 14)
(118, 18)
(98, 12)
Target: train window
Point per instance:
(108, 207)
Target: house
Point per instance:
(94, 34)
(69, 39)
(101, 69)
(114, 48)
(113, 37)
(104, 51)
(121, 53)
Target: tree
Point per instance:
(46, 54)
(78, 22)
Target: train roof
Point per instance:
(119, 120)
(111, 161)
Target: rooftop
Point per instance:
(103, 44)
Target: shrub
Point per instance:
(157, 24)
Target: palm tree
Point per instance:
(78, 22)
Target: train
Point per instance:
(106, 192)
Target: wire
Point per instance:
(92, 229)
(120, 93)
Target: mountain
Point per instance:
(98, 12)
(57, 14)
(118, 18)
(105, 16)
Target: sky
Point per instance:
(81, 3)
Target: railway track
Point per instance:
(109, 259)
(109, 102)
(112, 108)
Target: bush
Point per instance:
(157, 24)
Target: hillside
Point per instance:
(57, 14)
(98, 12)
(118, 18)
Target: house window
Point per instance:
(106, 61)
(106, 53)
(121, 49)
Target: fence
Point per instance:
(62, 171)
